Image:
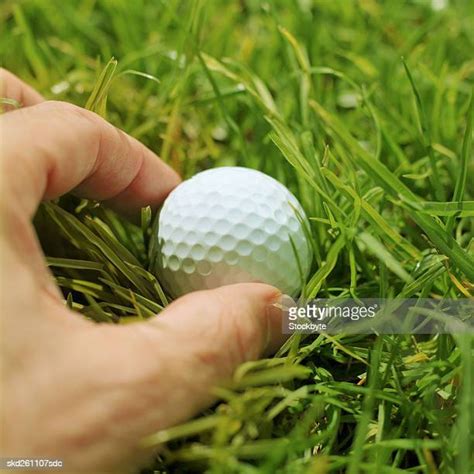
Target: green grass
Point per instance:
(364, 109)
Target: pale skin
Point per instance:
(73, 389)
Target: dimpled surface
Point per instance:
(230, 225)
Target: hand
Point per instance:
(84, 392)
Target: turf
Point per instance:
(364, 109)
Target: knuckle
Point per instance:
(5, 74)
(69, 111)
(65, 108)
(81, 118)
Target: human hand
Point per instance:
(83, 392)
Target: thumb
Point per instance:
(236, 323)
(202, 337)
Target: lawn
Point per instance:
(364, 110)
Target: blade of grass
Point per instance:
(461, 178)
(426, 137)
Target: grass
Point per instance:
(364, 109)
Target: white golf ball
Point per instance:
(231, 225)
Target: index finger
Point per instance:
(56, 147)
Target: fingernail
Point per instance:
(276, 310)
(283, 302)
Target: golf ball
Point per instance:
(231, 225)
